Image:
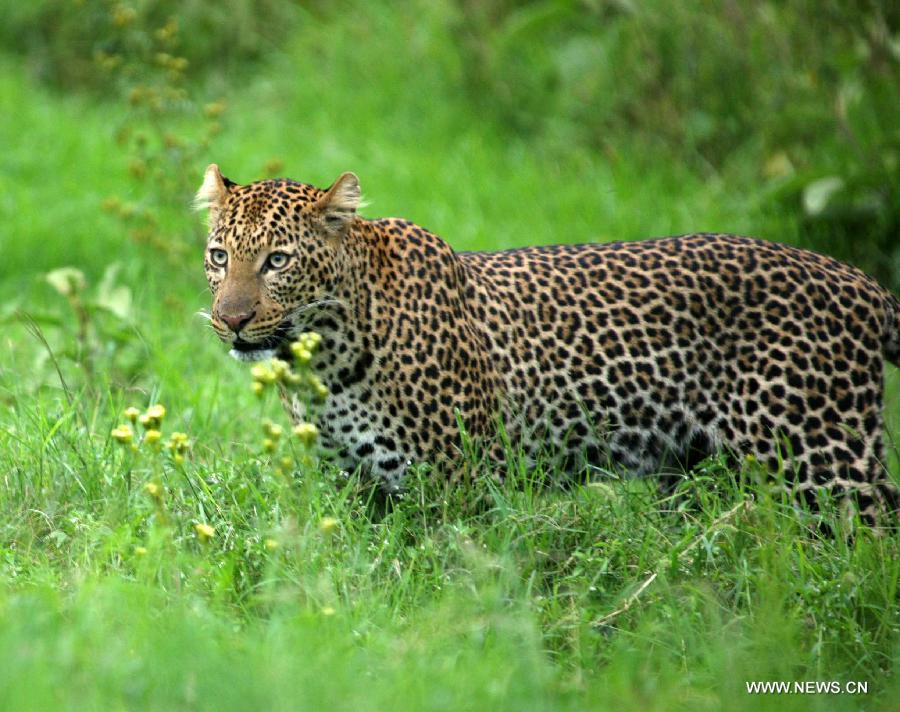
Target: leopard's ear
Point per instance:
(340, 202)
(213, 193)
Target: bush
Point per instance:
(71, 43)
(797, 96)
(810, 87)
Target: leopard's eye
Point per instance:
(218, 257)
(277, 260)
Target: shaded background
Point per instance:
(493, 123)
(777, 119)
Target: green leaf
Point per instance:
(818, 194)
(68, 281)
(116, 299)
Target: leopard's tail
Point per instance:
(892, 331)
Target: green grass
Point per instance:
(109, 600)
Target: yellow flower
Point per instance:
(153, 489)
(316, 386)
(273, 430)
(263, 374)
(157, 411)
(309, 340)
(178, 444)
(280, 369)
(328, 611)
(328, 525)
(258, 388)
(152, 437)
(153, 416)
(301, 353)
(140, 550)
(204, 531)
(123, 434)
(287, 463)
(268, 445)
(132, 414)
(271, 544)
(306, 433)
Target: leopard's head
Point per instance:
(273, 253)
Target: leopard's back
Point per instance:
(648, 351)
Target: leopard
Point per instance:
(632, 353)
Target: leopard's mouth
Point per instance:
(276, 344)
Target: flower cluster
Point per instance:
(144, 58)
(274, 371)
(280, 372)
(178, 445)
(305, 433)
(297, 380)
(151, 422)
(305, 346)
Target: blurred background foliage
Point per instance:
(805, 90)
(66, 41)
(812, 85)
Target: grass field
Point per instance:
(306, 596)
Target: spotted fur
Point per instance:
(637, 353)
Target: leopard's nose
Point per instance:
(236, 322)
